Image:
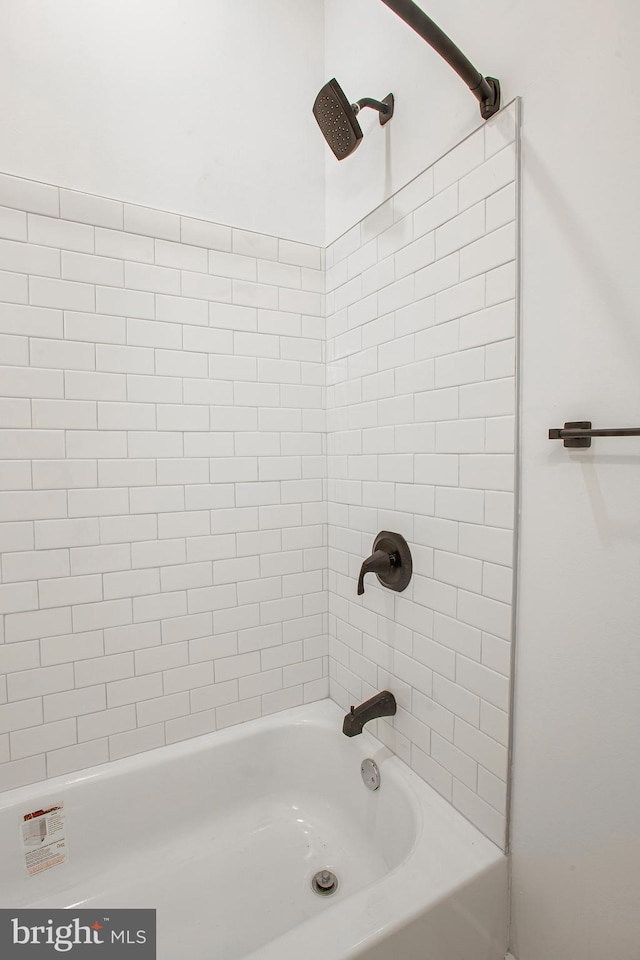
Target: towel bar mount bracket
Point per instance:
(573, 441)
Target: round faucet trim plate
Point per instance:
(398, 575)
(370, 774)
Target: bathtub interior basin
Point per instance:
(223, 834)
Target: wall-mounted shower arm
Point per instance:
(384, 107)
(485, 89)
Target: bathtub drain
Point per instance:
(324, 883)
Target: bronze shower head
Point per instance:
(337, 118)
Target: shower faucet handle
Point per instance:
(390, 561)
(379, 562)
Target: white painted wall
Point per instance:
(576, 818)
(197, 107)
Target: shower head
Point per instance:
(337, 117)
(337, 120)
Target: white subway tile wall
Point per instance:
(421, 404)
(165, 509)
(162, 478)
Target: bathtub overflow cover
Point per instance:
(370, 774)
(324, 883)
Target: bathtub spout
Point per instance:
(381, 705)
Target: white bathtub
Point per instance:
(223, 833)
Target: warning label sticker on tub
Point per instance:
(43, 839)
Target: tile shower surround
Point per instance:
(163, 512)
(163, 515)
(421, 323)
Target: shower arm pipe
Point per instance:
(369, 102)
(384, 107)
(485, 89)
